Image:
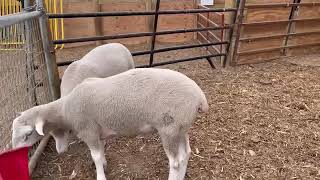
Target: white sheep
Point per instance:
(103, 61)
(127, 104)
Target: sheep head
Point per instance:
(27, 129)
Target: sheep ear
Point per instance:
(39, 127)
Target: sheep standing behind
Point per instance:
(134, 102)
(103, 61)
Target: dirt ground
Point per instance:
(263, 123)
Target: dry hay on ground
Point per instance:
(307, 60)
(263, 124)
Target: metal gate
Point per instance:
(221, 41)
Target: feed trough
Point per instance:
(14, 164)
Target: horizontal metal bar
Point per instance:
(139, 53)
(190, 46)
(204, 7)
(278, 36)
(172, 48)
(281, 21)
(100, 14)
(98, 38)
(138, 13)
(16, 18)
(281, 5)
(188, 11)
(130, 35)
(182, 60)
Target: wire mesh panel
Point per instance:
(23, 74)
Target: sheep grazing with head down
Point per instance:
(127, 104)
(103, 61)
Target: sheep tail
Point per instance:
(203, 107)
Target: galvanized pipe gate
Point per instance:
(156, 13)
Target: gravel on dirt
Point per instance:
(263, 123)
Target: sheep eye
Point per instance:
(29, 134)
(26, 137)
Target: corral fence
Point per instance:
(255, 32)
(267, 31)
(247, 32)
(214, 45)
(28, 72)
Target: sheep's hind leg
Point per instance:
(178, 151)
(96, 146)
(99, 161)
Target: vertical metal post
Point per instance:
(49, 53)
(31, 89)
(196, 34)
(207, 25)
(222, 39)
(208, 39)
(291, 25)
(238, 32)
(155, 26)
(99, 23)
(53, 76)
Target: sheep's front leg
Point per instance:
(99, 161)
(96, 147)
(61, 138)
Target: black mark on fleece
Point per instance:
(167, 119)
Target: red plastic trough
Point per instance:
(14, 165)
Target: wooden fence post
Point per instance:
(233, 52)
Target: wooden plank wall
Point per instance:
(256, 15)
(267, 33)
(79, 27)
(85, 27)
(306, 12)
(179, 21)
(124, 25)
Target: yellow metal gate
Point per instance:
(16, 37)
